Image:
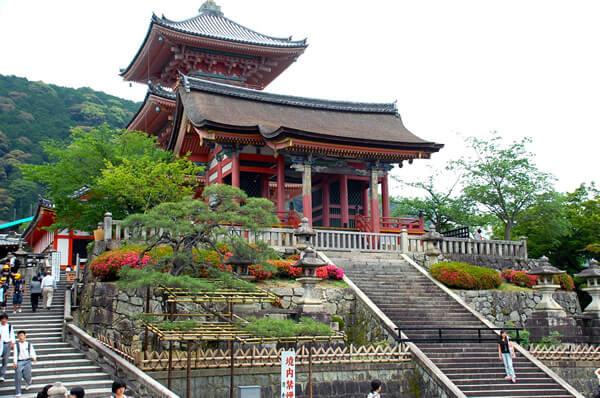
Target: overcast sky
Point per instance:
(456, 68)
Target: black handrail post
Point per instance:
(440, 334)
(518, 338)
(479, 335)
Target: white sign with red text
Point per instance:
(288, 374)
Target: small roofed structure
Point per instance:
(213, 47)
(592, 276)
(545, 273)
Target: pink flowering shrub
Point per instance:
(105, 266)
(334, 272)
(465, 276)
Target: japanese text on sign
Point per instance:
(288, 374)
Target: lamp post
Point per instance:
(309, 262)
(592, 276)
(545, 273)
(432, 241)
(240, 266)
(303, 235)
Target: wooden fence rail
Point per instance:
(566, 352)
(253, 356)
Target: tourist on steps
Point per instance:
(7, 336)
(375, 389)
(44, 392)
(6, 273)
(506, 352)
(58, 390)
(35, 288)
(118, 389)
(77, 392)
(24, 355)
(18, 292)
(48, 287)
(3, 292)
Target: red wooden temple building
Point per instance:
(326, 160)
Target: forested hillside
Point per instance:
(33, 112)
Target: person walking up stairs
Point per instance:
(57, 361)
(24, 355)
(48, 288)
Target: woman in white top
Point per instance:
(375, 389)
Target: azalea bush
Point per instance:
(565, 281)
(285, 269)
(519, 278)
(106, 266)
(466, 276)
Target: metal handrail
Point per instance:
(441, 338)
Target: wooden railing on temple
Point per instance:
(330, 239)
(566, 352)
(390, 224)
(255, 356)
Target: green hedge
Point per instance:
(466, 276)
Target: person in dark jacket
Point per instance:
(44, 392)
(36, 292)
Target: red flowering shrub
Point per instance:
(105, 266)
(466, 276)
(519, 278)
(285, 269)
(322, 273)
(256, 270)
(565, 281)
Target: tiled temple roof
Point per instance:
(212, 24)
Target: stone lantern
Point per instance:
(309, 263)
(303, 235)
(432, 241)
(545, 273)
(592, 276)
(25, 271)
(240, 267)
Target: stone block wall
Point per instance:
(108, 310)
(579, 374)
(502, 306)
(348, 381)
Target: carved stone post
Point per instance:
(107, 226)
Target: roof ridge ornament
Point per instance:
(210, 7)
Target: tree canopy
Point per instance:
(102, 169)
(502, 178)
(191, 225)
(441, 206)
(34, 112)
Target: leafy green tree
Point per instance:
(544, 223)
(115, 166)
(502, 178)
(191, 225)
(582, 210)
(440, 206)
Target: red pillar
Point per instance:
(307, 193)
(264, 178)
(385, 196)
(365, 200)
(219, 171)
(235, 169)
(375, 200)
(325, 188)
(280, 183)
(344, 201)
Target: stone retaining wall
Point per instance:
(108, 310)
(348, 381)
(502, 306)
(579, 374)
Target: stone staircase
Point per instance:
(412, 301)
(57, 360)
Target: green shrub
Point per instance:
(466, 276)
(267, 327)
(555, 338)
(524, 335)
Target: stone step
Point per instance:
(104, 385)
(64, 370)
(495, 391)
